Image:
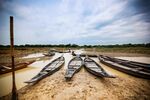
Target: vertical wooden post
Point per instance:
(14, 92)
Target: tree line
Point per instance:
(79, 46)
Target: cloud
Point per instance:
(75, 21)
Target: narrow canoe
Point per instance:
(141, 66)
(74, 66)
(135, 71)
(49, 54)
(95, 68)
(130, 63)
(49, 69)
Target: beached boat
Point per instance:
(7, 69)
(133, 64)
(67, 51)
(132, 70)
(74, 66)
(95, 68)
(61, 51)
(130, 63)
(49, 54)
(49, 69)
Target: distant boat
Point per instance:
(49, 54)
(127, 68)
(67, 51)
(49, 69)
(7, 69)
(95, 68)
(74, 66)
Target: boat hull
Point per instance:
(129, 71)
(72, 70)
(97, 71)
(43, 73)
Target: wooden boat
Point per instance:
(67, 51)
(130, 63)
(7, 69)
(142, 66)
(74, 66)
(62, 51)
(95, 68)
(49, 69)
(132, 70)
(49, 54)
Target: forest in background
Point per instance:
(81, 46)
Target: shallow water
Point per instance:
(27, 73)
(138, 59)
(22, 75)
(34, 55)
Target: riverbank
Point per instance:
(85, 86)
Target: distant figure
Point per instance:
(73, 53)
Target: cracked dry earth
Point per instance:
(85, 86)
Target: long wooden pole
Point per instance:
(14, 91)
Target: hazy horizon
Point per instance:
(81, 22)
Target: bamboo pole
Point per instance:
(14, 91)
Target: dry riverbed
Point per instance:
(85, 86)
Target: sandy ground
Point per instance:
(85, 86)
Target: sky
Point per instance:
(81, 22)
